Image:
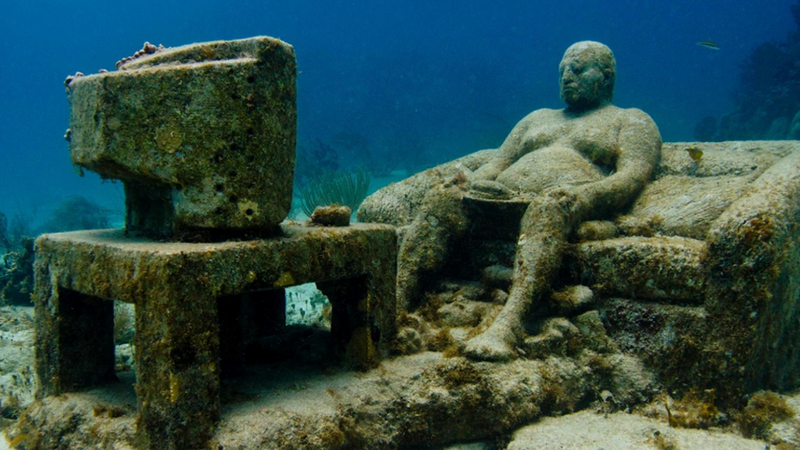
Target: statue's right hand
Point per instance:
(490, 189)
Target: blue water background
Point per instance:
(453, 75)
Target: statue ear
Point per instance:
(608, 78)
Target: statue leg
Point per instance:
(543, 235)
(424, 245)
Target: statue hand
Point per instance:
(490, 189)
(560, 192)
(568, 197)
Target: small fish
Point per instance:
(695, 153)
(708, 44)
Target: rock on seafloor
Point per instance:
(587, 430)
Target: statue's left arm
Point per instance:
(639, 144)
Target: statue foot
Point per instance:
(491, 346)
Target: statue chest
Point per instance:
(595, 140)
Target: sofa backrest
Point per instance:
(689, 193)
(685, 197)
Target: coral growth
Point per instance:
(764, 409)
(16, 275)
(12, 234)
(16, 264)
(147, 49)
(5, 239)
(78, 213)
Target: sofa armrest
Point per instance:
(398, 203)
(753, 263)
(751, 239)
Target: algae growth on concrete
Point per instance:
(676, 306)
(696, 278)
(202, 136)
(198, 308)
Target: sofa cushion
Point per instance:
(680, 205)
(668, 269)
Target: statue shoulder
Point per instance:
(640, 127)
(539, 115)
(636, 116)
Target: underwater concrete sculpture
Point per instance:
(570, 165)
(697, 278)
(201, 136)
(689, 289)
(694, 272)
(197, 308)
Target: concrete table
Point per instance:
(196, 306)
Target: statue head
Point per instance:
(588, 72)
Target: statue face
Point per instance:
(584, 79)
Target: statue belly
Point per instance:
(548, 167)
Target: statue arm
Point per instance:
(507, 154)
(639, 153)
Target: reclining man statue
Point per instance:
(586, 161)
